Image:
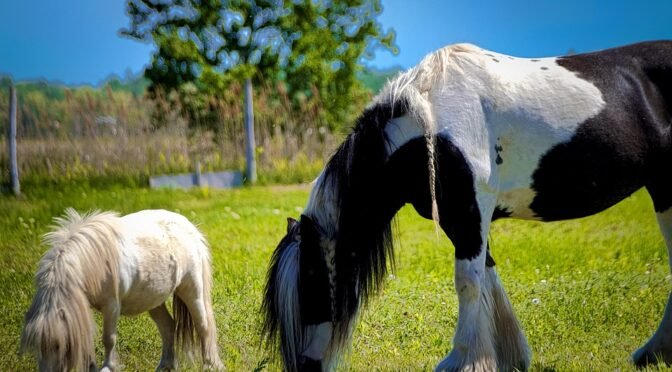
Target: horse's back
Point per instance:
(557, 137)
(161, 249)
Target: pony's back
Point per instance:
(83, 255)
(175, 236)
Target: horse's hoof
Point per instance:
(644, 357)
(215, 366)
(455, 362)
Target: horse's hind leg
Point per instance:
(659, 346)
(166, 326)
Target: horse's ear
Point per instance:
(310, 227)
(291, 223)
(293, 229)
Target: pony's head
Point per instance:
(298, 302)
(59, 330)
(59, 327)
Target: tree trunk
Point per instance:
(11, 139)
(251, 163)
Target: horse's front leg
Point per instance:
(488, 336)
(473, 343)
(110, 317)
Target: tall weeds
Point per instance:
(105, 133)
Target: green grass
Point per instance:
(601, 282)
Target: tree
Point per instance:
(313, 46)
(336, 36)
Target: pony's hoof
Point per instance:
(455, 362)
(166, 368)
(215, 366)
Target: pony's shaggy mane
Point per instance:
(83, 253)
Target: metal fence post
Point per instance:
(11, 139)
(251, 168)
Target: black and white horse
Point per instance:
(469, 136)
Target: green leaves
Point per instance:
(314, 47)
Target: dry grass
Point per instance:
(92, 133)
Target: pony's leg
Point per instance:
(110, 318)
(510, 343)
(659, 346)
(473, 344)
(166, 326)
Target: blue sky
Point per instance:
(77, 41)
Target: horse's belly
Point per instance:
(156, 277)
(574, 181)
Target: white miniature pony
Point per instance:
(120, 265)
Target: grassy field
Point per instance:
(588, 292)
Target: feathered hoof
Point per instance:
(455, 362)
(216, 365)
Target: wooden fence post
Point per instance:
(251, 167)
(11, 139)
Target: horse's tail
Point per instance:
(185, 328)
(184, 322)
(59, 324)
(210, 349)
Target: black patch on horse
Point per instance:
(626, 146)
(459, 215)
(314, 293)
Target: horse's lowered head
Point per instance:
(298, 298)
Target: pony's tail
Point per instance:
(59, 324)
(185, 327)
(209, 350)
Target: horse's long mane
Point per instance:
(363, 240)
(352, 200)
(353, 205)
(84, 254)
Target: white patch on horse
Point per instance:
(319, 341)
(473, 343)
(322, 204)
(523, 107)
(401, 130)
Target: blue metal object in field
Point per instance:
(215, 180)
